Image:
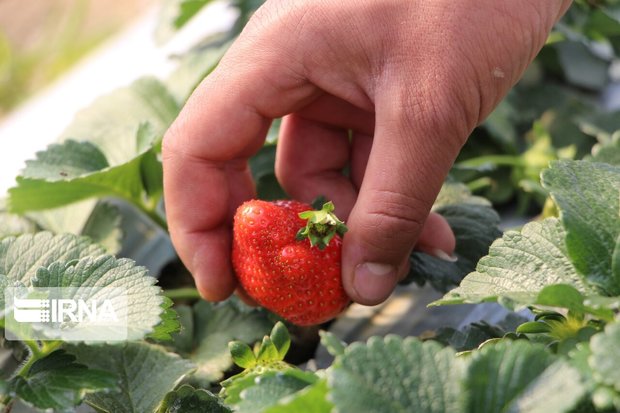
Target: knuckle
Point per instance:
(295, 18)
(169, 144)
(394, 220)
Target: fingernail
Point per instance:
(374, 282)
(442, 255)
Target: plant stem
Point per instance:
(497, 160)
(188, 293)
(34, 348)
(151, 212)
(158, 219)
(37, 354)
(479, 183)
(50, 346)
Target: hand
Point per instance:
(410, 79)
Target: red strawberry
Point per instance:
(290, 265)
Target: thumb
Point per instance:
(408, 163)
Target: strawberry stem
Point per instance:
(322, 225)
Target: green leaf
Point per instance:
(558, 389)
(605, 359)
(242, 354)
(609, 153)
(121, 131)
(168, 324)
(152, 175)
(396, 375)
(112, 121)
(186, 399)
(182, 340)
(143, 299)
(194, 66)
(598, 362)
(174, 15)
(267, 351)
(267, 389)
(58, 382)
(11, 224)
(475, 227)
(262, 167)
(561, 295)
(281, 339)
(600, 302)
(615, 260)
(44, 183)
(533, 327)
(501, 125)
(46, 260)
(587, 195)
(473, 335)
(311, 399)
(97, 220)
(519, 266)
(332, 344)
(213, 326)
(103, 227)
(499, 375)
(602, 126)
(21, 257)
(566, 296)
(581, 67)
(147, 373)
(66, 161)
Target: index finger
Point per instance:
(205, 153)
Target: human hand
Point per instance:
(410, 79)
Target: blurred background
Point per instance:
(57, 56)
(40, 40)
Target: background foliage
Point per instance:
(548, 158)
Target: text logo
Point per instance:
(69, 314)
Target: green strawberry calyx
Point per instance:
(322, 225)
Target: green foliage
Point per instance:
(473, 335)
(575, 250)
(169, 322)
(591, 219)
(126, 122)
(186, 399)
(146, 374)
(332, 344)
(262, 167)
(73, 171)
(174, 15)
(258, 393)
(12, 224)
(310, 399)
(98, 220)
(396, 375)
(110, 149)
(207, 330)
(475, 226)
(58, 382)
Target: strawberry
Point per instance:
(287, 258)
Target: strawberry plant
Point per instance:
(60, 227)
